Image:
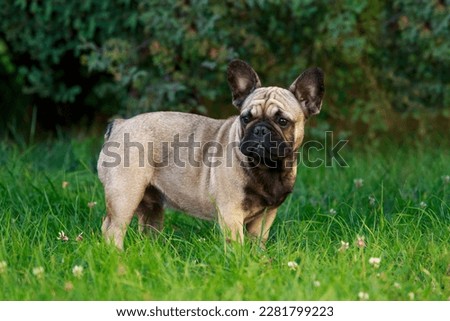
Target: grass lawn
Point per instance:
(399, 210)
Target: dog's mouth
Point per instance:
(264, 145)
(265, 151)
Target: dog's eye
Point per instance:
(245, 119)
(282, 121)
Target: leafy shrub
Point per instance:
(381, 58)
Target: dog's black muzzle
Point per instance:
(264, 145)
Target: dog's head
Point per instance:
(272, 119)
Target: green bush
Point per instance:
(381, 58)
(417, 57)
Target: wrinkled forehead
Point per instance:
(269, 101)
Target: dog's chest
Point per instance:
(266, 191)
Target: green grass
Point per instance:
(189, 260)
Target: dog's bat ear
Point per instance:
(308, 88)
(243, 80)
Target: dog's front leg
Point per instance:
(231, 221)
(259, 228)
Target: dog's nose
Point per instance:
(260, 131)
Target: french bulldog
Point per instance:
(237, 170)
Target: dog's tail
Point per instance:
(110, 127)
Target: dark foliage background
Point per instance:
(74, 64)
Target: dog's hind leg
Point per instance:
(150, 211)
(122, 200)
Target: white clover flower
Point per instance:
(68, 286)
(91, 204)
(316, 283)
(397, 285)
(292, 265)
(3, 266)
(375, 262)
(363, 296)
(358, 182)
(446, 179)
(38, 272)
(62, 236)
(360, 242)
(411, 295)
(332, 211)
(423, 204)
(344, 246)
(372, 201)
(77, 271)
